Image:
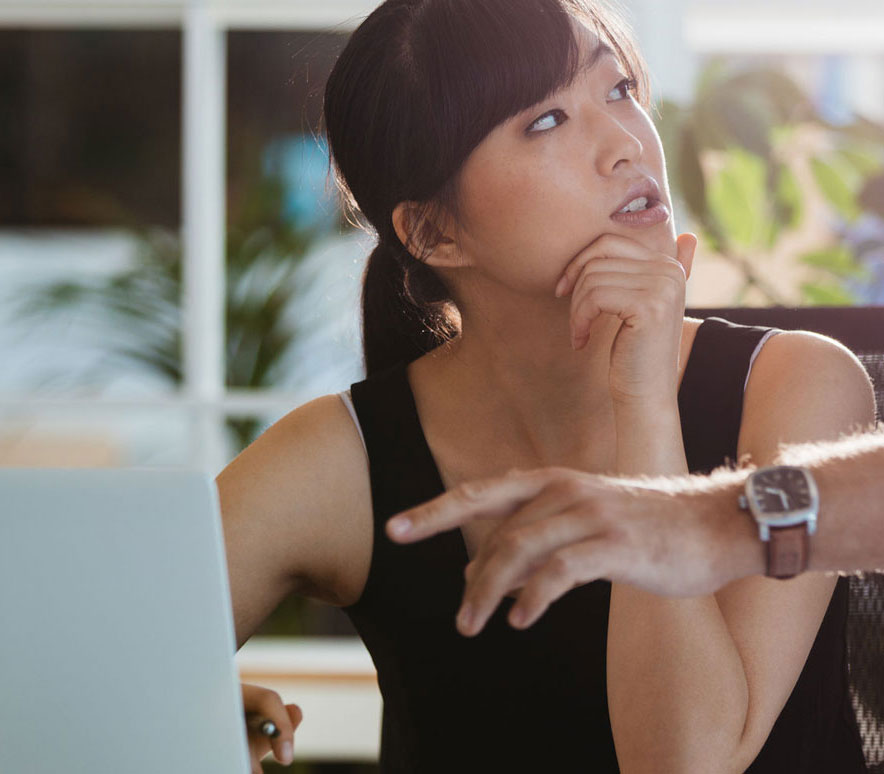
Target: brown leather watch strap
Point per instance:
(787, 551)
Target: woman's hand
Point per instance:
(646, 290)
(266, 704)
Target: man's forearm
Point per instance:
(850, 532)
(850, 476)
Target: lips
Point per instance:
(645, 187)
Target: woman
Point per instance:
(529, 275)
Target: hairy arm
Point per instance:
(850, 531)
(696, 684)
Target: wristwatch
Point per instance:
(784, 501)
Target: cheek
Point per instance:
(519, 218)
(495, 198)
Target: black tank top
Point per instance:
(536, 700)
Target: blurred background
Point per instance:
(175, 273)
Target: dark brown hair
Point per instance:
(418, 86)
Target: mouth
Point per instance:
(642, 206)
(642, 195)
(637, 205)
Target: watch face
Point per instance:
(779, 490)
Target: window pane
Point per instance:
(89, 210)
(90, 134)
(294, 267)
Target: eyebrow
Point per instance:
(592, 59)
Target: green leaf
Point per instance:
(789, 199)
(817, 294)
(865, 160)
(836, 260)
(835, 184)
(738, 200)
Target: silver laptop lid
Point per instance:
(116, 632)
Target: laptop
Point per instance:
(116, 631)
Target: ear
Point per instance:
(429, 241)
(687, 246)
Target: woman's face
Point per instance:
(542, 186)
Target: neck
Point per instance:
(518, 367)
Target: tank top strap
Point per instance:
(710, 400)
(401, 465)
(403, 474)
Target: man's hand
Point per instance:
(562, 528)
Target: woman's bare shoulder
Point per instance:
(808, 384)
(300, 494)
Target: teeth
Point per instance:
(636, 204)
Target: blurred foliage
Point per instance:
(143, 302)
(735, 162)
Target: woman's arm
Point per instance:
(296, 513)
(696, 684)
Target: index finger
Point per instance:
(485, 499)
(605, 246)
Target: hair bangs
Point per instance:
(481, 62)
(487, 61)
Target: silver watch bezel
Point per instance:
(766, 521)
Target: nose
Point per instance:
(616, 145)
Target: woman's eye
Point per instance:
(547, 121)
(624, 88)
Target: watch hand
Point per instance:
(784, 498)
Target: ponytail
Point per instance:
(406, 309)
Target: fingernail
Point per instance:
(517, 617)
(288, 754)
(399, 526)
(465, 619)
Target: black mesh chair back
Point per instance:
(861, 329)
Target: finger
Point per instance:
(687, 248)
(563, 488)
(488, 498)
(606, 246)
(568, 567)
(512, 561)
(284, 745)
(620, 302)
(264, 704)
(295, 715)
(612, 279)
(555, 497)
(606, 270)
(658, 264)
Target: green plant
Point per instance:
(747, 156)
(142, 303)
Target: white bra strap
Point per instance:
(348, 402)
(770, 334)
